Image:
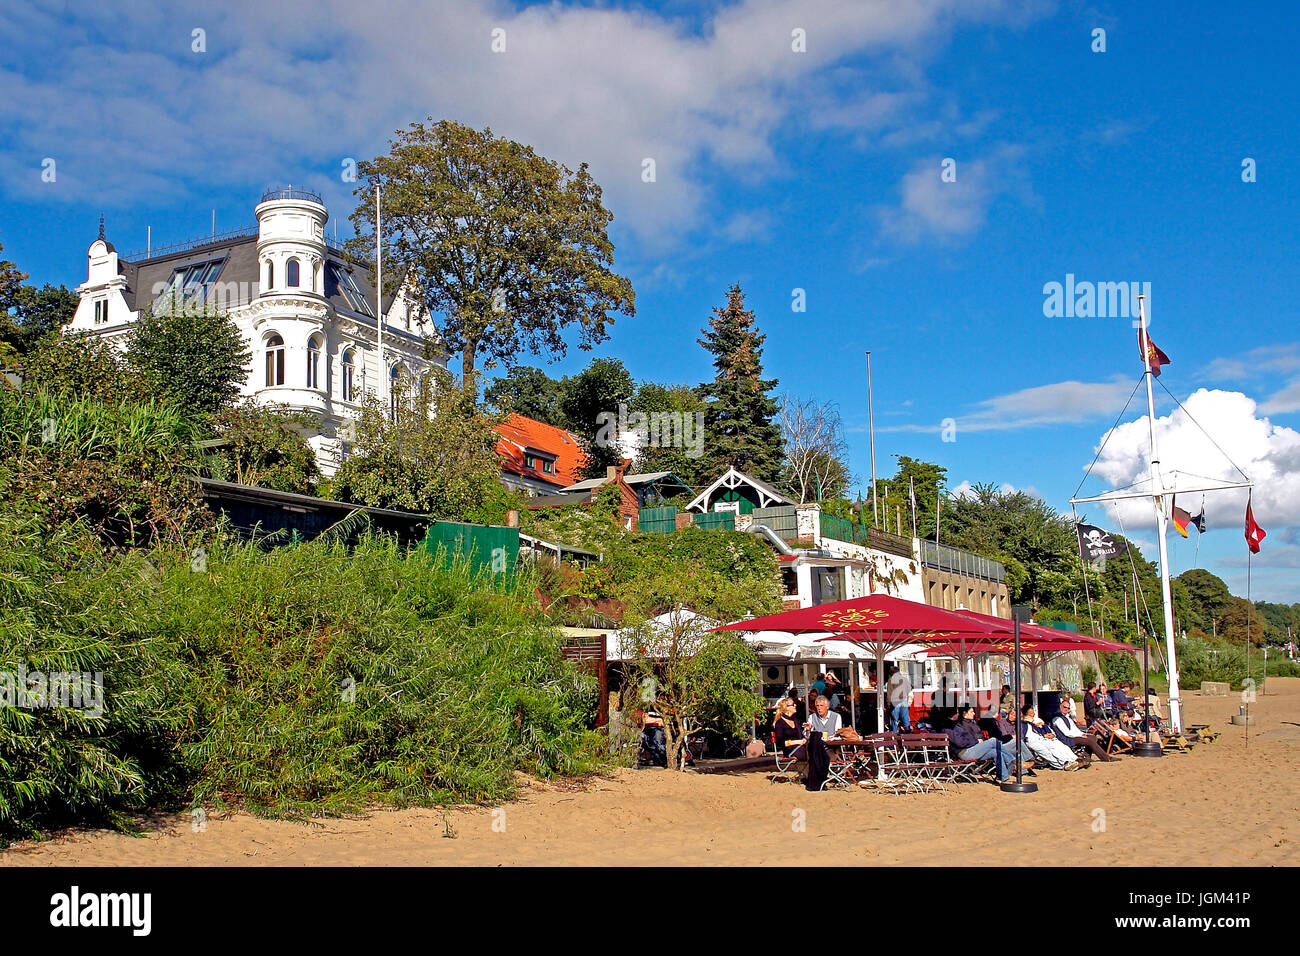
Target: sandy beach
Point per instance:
(1232, 802)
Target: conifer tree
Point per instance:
(740, 416)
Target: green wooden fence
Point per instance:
(658, 520)
(717, 519)
(783, 519)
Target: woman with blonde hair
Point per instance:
(787, 730)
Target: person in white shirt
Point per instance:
(1042, 743)
(899, 690)
(1072, 735)
(824, 719)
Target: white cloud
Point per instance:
(1053, 404)
(131, 113)
(1268, 453)
(932, 207)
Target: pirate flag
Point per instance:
(1154, 356)
(1095, 544)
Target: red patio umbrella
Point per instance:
(876, 622)
(1037, 643)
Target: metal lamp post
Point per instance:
(1018, 785)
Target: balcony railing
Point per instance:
(288, 192)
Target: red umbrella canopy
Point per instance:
(1034, 638)
(875, 612)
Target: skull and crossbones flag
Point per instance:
(1096, 543)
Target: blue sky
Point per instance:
(780, 170)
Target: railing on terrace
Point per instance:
(959, 561)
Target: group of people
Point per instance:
(1060, 742)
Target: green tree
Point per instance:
(36, 313)
(928, 479)
(684, 459)
(189, 354)
(438, 458)
(264, 447)
(597, 390)
(528, 391)
(82, 365)
(697, 678)
(740, 417)
(509, 247)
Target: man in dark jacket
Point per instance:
(1070, 733)
(967, 743)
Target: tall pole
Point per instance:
(1157, 493)
(871, 427)
(379, 308)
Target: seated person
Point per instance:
(1042, 743)
(654, 749)
(967, 743)
(819, 684)
(823, 719)
(788, 730)
(1122, 705)
(1105, 705)
(1072, 735)
(1091, 709)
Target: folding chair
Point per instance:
(1114, 743)
(785, 763)
(892, 770)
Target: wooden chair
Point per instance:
(1105, 733)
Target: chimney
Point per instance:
(614, 473)
(512, 518)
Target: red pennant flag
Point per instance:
(1154, 356)
(1254, 533)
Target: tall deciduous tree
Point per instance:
(189, 354)
(528, 391)
(814, 448)
(599, 388)
(741, 417)
(511, 248)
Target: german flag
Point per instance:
(1181, 520)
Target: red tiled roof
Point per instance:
(518, 433)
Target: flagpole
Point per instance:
(1157, 493)
(871, 427)
(379, 308)
(911, 497)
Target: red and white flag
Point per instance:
(1254, 533)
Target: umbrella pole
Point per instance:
(853, 690)
(1018, 785)
(880, 685)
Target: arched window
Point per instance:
(313, 361)
(395, 392)
(275, 360)
(349, 376)
(291, 273)
(270, 274)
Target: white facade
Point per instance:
(306, 313)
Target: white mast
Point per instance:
(1162, 524)
(1158, 490)
(871, 427)
(379, 309)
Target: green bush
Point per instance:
(304, 679)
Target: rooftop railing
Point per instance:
(289, 192)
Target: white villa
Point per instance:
(306, 311)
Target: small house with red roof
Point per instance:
(537, 458)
